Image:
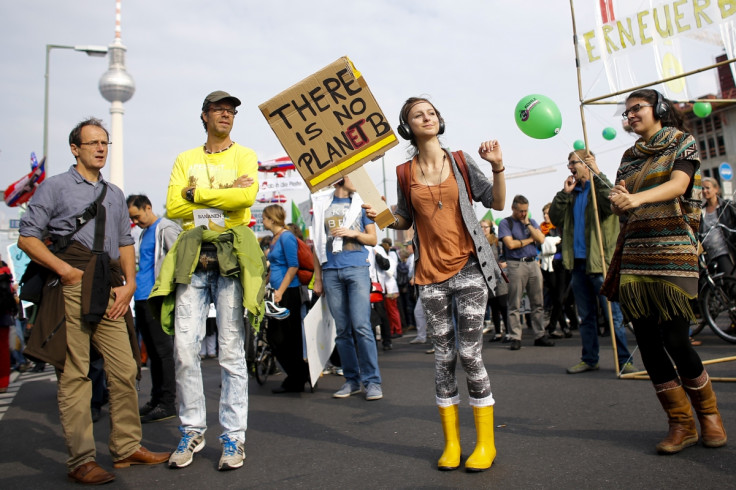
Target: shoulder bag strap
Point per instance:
(403, 173)
(101, 218)
(463, 165)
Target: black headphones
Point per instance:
(405, 131)
(660, 107)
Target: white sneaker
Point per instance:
(233, 454)
(417, 340)
(190, 443)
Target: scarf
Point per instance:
(546, 227)
(661, 238)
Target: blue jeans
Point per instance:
(348, 295)
(585, 287)
(192, 305)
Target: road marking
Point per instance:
(16, 381)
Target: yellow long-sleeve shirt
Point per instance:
(213, 176)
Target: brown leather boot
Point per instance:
(704, 401)
(683, 432)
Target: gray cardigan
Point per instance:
(481, 188)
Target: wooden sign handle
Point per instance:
(370, 195)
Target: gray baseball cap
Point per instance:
(217, 96)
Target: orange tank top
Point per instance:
(445, 244)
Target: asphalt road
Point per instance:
(553, 430)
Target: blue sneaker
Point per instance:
(346, 390)
(373, 392)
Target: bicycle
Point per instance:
(264, 360)
(717, 298)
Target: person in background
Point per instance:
(156, 239)
(654, 272)
(498, 303)
(556, 278)
(453, 264)
(573, 213)
(519, 235)
(8, 310)
(342, 233)
(391, 290)
(717, 210)
(285, 335)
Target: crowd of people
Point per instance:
(597, 255)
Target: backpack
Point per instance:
(402, 274)
(403, 173)
(306, 262)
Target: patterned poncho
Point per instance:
(659, 262)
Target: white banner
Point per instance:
(319, 336)
(639, 42)
(282, 184)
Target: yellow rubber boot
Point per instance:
(485, 446)
(450, 459)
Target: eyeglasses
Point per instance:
(220, 110)
(484, 226)
(96, 143)
(634, 109)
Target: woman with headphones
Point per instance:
(455, 268)
(655, 264)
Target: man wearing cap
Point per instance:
(212, 185)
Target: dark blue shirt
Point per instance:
(578, 218)
(518, 231)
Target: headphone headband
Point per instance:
(403, 128)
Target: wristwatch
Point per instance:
(190, 194)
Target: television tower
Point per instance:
(117, 86)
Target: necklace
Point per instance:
(439, 183)
(218, 151)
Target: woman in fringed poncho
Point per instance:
(654, 271)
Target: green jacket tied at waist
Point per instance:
(238, 253)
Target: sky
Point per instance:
(474, 59)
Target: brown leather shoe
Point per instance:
(142, 456)
(90, 474)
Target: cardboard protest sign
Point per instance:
(330, 125)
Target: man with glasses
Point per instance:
(91, 312)
(213, 185)
(520, 234)
(573, 213)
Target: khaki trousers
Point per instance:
(110, 338)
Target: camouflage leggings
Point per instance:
(469, 291)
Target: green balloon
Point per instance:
(538, 116)
(498, 221)
(702, 109)
(579, 145)
(609, 133)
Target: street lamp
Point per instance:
(99, 51)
